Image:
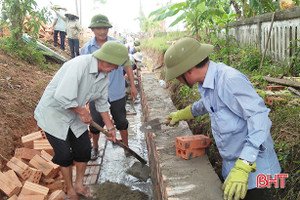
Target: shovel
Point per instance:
(118, 142)
(153, 125)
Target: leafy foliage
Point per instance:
(193, 12)
(27, 52)
(15, 11)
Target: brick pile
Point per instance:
(32, 174)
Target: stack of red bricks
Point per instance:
(269, 99)
(32, 174)
(192, 146)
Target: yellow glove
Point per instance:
(183, 114)
(236, 183)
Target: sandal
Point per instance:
(94, 154)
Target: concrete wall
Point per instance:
(173, 178)
(254, 31)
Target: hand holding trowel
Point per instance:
(172, 120)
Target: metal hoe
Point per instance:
(118, 142)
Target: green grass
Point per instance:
(161, 42)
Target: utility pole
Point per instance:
(80, 8)
(78, 12)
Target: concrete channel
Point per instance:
(172, 177)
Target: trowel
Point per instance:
(153, 125)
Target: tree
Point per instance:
(148, 25)
(16, 11)
(247, 9)
(192, 12)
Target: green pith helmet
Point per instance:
(113, 52)
(137, 49)
(100, 21)
(56, 7)
(184, 55)
(137, 43)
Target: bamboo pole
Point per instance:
(267, 43)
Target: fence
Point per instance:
(254, 31)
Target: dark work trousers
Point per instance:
(118, 112)
(74, 47)
(62, 36)
(259, 194)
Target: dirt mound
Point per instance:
(21, 87)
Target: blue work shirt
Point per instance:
(131, 50)
(239, 120)
(76, 83)
(116, 87)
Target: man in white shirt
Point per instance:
(62, 114)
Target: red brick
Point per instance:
(13, 177)
(192, 142)
(27, 140)
(8, 186)
(270, 100)
(43, 145)
(275, 87)
(26, 153)
(19, 167)
(41, 164)
(189, 153)
(57, 195)
(30, 188)
(35, 175)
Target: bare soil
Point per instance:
(21, 86)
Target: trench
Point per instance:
(171, 175)
(115, 163)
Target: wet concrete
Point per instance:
(172, 177)
(115, 164)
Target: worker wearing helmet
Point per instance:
(116, 89)
(239, 118)
(61, 112)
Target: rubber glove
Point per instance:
(182, 114)
(236, 183)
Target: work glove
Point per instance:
(236, 183)
(182, 114)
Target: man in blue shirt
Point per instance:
(239, 118)
(116, 89)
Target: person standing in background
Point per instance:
(59, 26)
(73, 31)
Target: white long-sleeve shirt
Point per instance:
(75, 84)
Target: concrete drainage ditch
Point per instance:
(172, 177)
